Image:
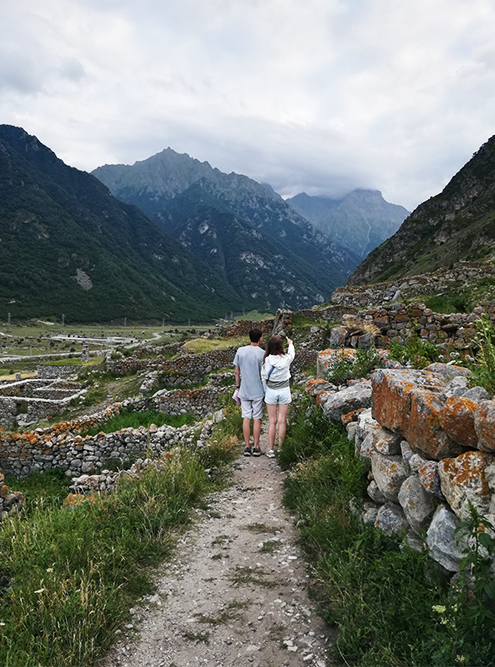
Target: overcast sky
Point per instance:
(319, 96)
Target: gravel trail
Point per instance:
(235, 593)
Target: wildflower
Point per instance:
(439, 608)
(49, 569)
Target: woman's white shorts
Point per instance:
(278, 396)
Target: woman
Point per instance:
(275, 373)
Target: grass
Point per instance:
(202, 345)
(94, 361)
(130, 418)
(252, 576)
(380, 594)
(73, 572)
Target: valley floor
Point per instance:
(236, 591)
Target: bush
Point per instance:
(415, 352)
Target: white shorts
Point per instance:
(278, 396)
(251, 409)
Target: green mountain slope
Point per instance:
(263, 272)
(458, 224)
(312, 264)
(69, 247)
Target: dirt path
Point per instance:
(236, 591)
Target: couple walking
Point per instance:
(261, 373)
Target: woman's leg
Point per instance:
(272, 424)
(282, 422)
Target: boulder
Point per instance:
(463, 480)
(375, 494)
(448, 371)
(337, 337)
(408, 401)
(389, 473)
(484, 425)
(456, 418)
(477, 394)
(430, 479)
(391, 519)
(386, 442)
(418, 505)
(352, 398)
(441, 539)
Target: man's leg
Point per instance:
(246, 431)
(256, 432)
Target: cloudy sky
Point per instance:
(319, 96)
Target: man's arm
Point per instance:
(237, 373)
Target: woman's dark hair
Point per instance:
(274, 346)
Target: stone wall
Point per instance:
(430, 440)
(400, 322)
(186, 365)
(53, 371)
(442, 280)
(34, 399)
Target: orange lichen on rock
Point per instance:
(464, 481)
(484, 424)
(457, 420)
(351, 416)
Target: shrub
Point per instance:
(483, 346)
(415, 352)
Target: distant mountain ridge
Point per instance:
(457, 224)
(68, 246)
(266, 250)
(361, 220)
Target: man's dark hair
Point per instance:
(255, 335)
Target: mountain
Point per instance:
(360, 221)
(68, 246)
(457, 224)
(313, 208)
(255, 240)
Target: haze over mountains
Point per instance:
(457, 224)
(360, 221)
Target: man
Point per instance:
(247, 362)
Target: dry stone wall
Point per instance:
(442, 280)
(398, 321)
(34, 399)
(430, 440)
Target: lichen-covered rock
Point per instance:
(391, 519)
(418, 505)
(352, 398)
(448, 371)
(386, 442)
(463, 481)
(409, 401)
(430, 479)
(484, 424)
(365, 448)
(389, 473)
(456, 418)
(441, 539)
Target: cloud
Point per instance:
(320, 95)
